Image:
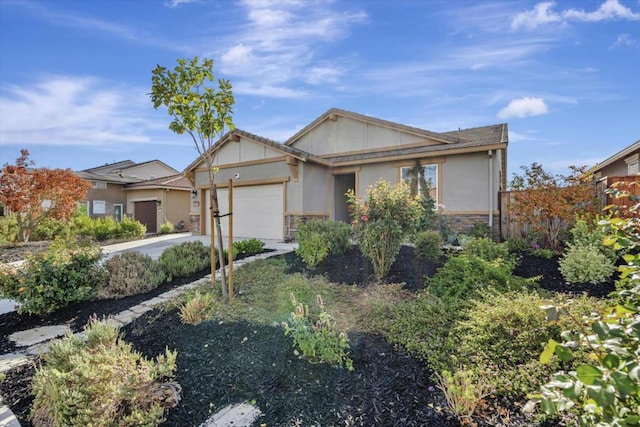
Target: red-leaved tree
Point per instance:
(36, 194)
(548, 203)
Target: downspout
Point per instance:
(491, 191)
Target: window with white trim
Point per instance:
(99, 185)
(633, 168)
(430, 173)
(99, 207)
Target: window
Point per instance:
(430, 174)
(633, 168)
(632, 164)
(99, 207)
(99, 185)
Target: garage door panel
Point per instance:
(258, 211)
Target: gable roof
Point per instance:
(481, 138)
(113, 172)
(333, 112)
(291, 151)
(625, 152)
(173, 182)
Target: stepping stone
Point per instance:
(238, 415)
(37, 335)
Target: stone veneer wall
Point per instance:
(464, 223)
(194, 224)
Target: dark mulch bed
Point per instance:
(353, 268)
(550, 278)
(77, 315)
(387, 387)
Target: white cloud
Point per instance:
(543, 14)
(624, 40)
(280, 46)
(176, 3)
(71, 110)
(524, 107)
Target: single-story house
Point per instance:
(277, 185)
(109, 196)
(622, 166)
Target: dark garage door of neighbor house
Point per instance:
(146, 213)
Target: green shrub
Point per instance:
(8, 229)
(480, 230)
(131, 273)
(194, 310)
(543, 253)
(318, 340)
(248, 247)
(49, 229)
(166, 227)
(463, 392)
(429, 245)
(313, 248)
(185, 259)
(489, 250)
(422, 328)
(105, 228)
(586, 233)
(517, 244)
(586, 264)
(604, 388)
(131, 229)
(102, 382)
(382, 223)
(464, 275)
(55, 278)
(502, 339)
(319, 238)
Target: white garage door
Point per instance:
(258, 211)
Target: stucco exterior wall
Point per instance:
(465, 182)
(317, 184)
(243, 151)
(346, 134)
(113, 194)
(370, 174)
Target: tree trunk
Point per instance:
(218, 228)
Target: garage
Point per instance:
(147, 213)
(258, 211)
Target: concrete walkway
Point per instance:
(35, 341)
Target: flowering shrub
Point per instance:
(53, 279)
(381, 223)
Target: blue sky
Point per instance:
(565, 75)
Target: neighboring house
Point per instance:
(278, 185)
(622, 166)
(107, 197)
(158, 200)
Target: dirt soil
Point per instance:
(223, 363)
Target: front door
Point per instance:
(117, 212)
(341, 184)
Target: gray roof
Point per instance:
(107, 177)
(178, 182)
